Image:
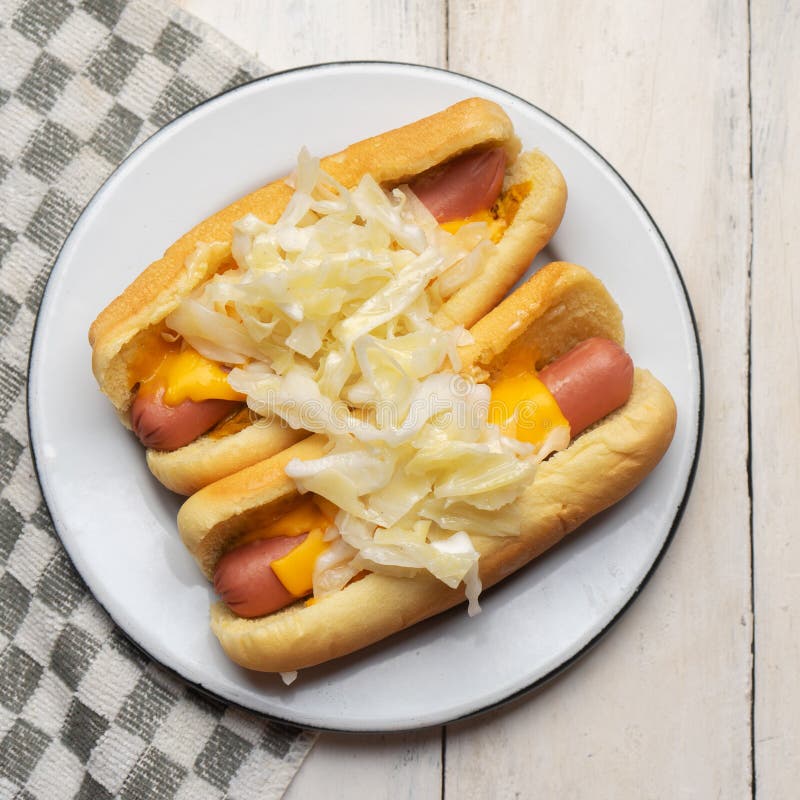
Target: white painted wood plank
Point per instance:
(289, 34)
(661, 708)
(385, 767)
(285, 35)
(776, 393)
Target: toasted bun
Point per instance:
(209, 459)
(560, 306)
(536, 220)
(211, 520)
(126, 325)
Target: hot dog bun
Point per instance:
(560, 306)
(122, 329)
(597, 470)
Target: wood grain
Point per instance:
(776, 394)
(662, 707)
(289, 34)
(385, 767)
(661, 91)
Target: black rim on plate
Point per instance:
(568, 662)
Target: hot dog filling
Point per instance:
(236, 421)
(184, 374)
(464, 186)
(590, 381)
(171, 377)
(499, 217)
(525, 408)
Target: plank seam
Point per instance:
(748, 305)
(447, 34)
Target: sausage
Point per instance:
(164, 427)
(461, 187)
(245, 581)
(589, 382)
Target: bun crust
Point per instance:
(209, 459)
(536, 220)
(560, 306)
(391, 158)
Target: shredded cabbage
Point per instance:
(327, 319)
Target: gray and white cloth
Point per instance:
(83, 714)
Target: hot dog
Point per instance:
(246, 582)
(562, 324)
(164, 427)
(589, 382)
(462, 163)
(460, 188)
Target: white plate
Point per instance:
(118, 524)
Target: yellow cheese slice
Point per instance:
(296, 569)
(524, 406)
(186, 375)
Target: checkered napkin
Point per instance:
(83, 714)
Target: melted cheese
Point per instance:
(304, 517)
(296, 569)
(151, 350)
(524, 406)
(497, 226)
(234, 423)
(186, 375)
(499, 216)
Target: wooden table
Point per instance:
(694, 693)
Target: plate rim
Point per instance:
(681, 507)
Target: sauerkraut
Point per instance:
(327, 322)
